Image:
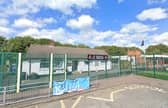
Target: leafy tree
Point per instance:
(116, 50)
(18, 44)
(2, 41)
(157, 49)
(82, 46)
(44, 41)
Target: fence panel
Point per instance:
(113, 66)
(59, 67)
(77, 67)
(8, 68)
(35, 71)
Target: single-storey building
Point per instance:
(37, 60)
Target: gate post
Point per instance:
(18, 72)
(154, 64)
(88, 68)
(106, 68)
(51, 70)
(119, 65)
(65, 66)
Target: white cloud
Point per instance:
(25, 23)
(23, 7)
(66, 6)
(5, 31)
(156, 1)
(136, 27)
(3, 22)
(36, 23)
(161, 38)
(153, 14)
(82, 23)
(56, 34)
(30, 32)
(129, 35)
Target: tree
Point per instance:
(82, 46)
(116, 50)
(18, 44)
(157, 49)
(2, 41)
(44, 41)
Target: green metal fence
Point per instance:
(155, 66)
(43, 69)
(8, 68)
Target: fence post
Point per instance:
(106, 68)
(51, 70)
(18, 72)
(29, 65)
(135, 65)
(131, 64)
(65, 66)
(4, 95)
(88, 68)
(119, 65)
(154, 68)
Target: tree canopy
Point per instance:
(157, 49)
(20, 44)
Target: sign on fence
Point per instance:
(70, 85)
(97, 57)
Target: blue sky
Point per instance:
(90, 22)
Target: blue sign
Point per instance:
(70, 85)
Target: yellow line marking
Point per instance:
(76, 102)
(62, 104)
(101, 99)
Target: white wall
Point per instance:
(82, 67)
(94, 66)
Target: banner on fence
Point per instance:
(70, 85)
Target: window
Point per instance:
(58, 64)
(44, 63)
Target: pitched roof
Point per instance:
(45, 50)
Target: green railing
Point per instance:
(43, 69)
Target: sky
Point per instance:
(90, 22)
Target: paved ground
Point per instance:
(131, 96)
(124, 92)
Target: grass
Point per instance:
(158, 75)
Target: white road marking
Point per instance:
(101, 99)
(120, 90)
(111, 99)
(131, 87)
(112, 96)
(76, 102)
(62, 104)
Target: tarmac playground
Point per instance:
(122, 92)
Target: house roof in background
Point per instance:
(45, 50)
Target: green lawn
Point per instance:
(158, 75)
